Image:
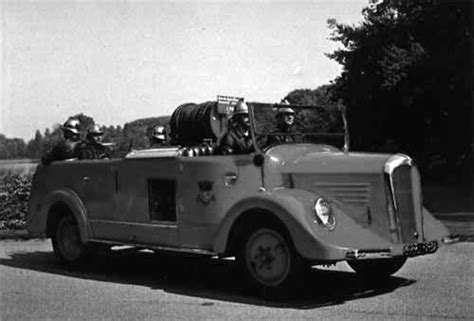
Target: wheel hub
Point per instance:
(268, 257)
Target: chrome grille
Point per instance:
(402, 185)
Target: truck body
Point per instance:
(323, 203)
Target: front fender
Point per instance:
(293, 208)
(72, 200)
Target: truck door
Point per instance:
(208, 187)
(145, 210)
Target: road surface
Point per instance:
(127, 285)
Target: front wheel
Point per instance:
(378, 268)
(268, 260)
(67, 243)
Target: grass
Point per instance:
(21, 167)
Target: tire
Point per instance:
(269, 261)
(381, 268)
(67, 244)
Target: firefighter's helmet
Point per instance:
(240, 108)
(71, 125)
(95, 131)
(285, 110)
(159, 133)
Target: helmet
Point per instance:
(158, 133)
(95, 131)
(72, 125)
(240, 108)
(285, 110)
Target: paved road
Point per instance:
(129, 285)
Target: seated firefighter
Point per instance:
(285, 119)
(67, 148)
(237, 139)
(92, 147)
(158, 137)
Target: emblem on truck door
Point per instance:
(205, 192)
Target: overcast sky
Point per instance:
(118, 61)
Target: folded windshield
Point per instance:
(284, 124)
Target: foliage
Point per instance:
(14, 193)
(323, 95)
(407, 78)
(12, 147)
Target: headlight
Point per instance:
(324, 215)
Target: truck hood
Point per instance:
(310, 158)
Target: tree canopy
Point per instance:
(407, 77)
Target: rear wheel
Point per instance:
(268, 260)
(378, 268)
(67, 243)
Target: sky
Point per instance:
(118, 61)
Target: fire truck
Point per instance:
(278, 210)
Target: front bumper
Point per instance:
(407, 250)
(416, 249)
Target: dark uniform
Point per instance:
(235, 141)
(285, 118)
(280, 139)
(92, 147)
(89, 150)
(65, 149)
(68, 148)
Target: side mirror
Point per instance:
(258, 160)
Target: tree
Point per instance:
(323, 95)
(33, 148)
(407, 77)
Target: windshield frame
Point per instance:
(254, 133)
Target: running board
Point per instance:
(158, 247)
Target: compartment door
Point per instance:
(145, 212)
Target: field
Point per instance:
(22, 167)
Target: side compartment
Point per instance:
(144, 204)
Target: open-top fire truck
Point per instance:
(278, 210)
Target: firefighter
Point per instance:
(158, 137)
(237, 139)
(67, 148)
(285, 119)
(92, 147)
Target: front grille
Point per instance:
(352, 193)
(404, 204)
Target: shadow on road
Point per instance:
(206, 278)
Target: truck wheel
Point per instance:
(268, 260)
(377, 268)
(67, 243)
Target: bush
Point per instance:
(14, 194)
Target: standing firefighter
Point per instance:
(237, 140)
(92, 148)
(67, 148)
